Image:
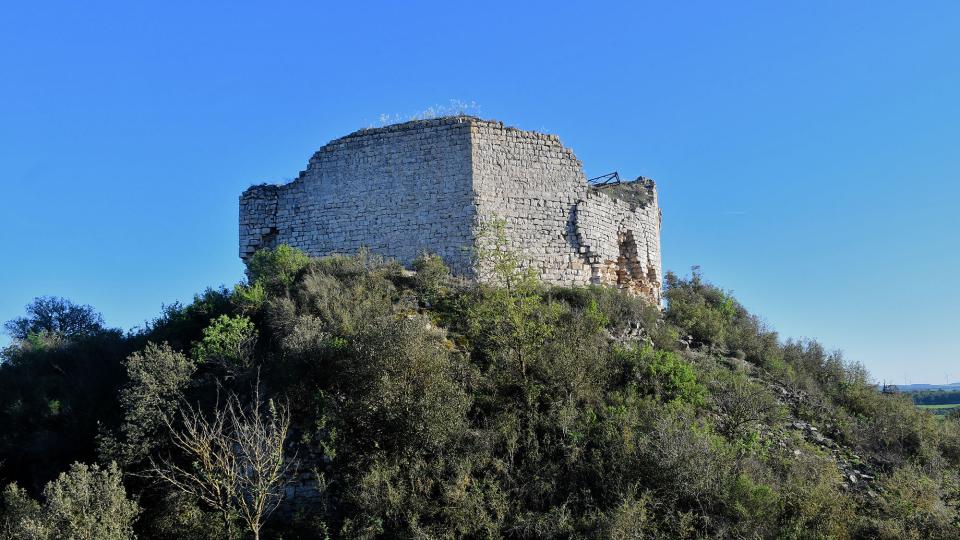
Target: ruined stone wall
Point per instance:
(399, 190)
(571, 233)
(621, 241)
(531, 182)
(258, 218)
(430, 186)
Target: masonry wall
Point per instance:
(621, 242)
(533, 183)
(571, 233)
(399, 190)
(430, 185)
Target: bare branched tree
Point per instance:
(235, 460)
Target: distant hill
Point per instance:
(921, 387)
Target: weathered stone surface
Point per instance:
(430, 185)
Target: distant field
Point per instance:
(939, 401)
(941, 409)
(941, 406)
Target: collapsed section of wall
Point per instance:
(569, 232)
(619, 237)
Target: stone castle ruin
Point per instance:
(431, 185)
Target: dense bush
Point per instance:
(56, 393)
(84, 503)
(158, 375)
(712, 316)
(423, 406)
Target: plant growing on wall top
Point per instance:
(455, 107)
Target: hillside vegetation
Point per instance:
(415, 405)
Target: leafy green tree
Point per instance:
(158, 376)
(228, 342)
(55, 315)
(88, 502)
(21, 517)
(181, 325)
(510, 321)
(84, 503)
(56, 395)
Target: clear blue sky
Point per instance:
(807, 152)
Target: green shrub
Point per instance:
(912, 506)
(181, 325)
(632, 519)
(662, 374)
(619, 310)
(893, 430)
(432, 278)
(814, 503)
(742, 404)
(276, 268)
(700, 309)
(85, 503)
(686, 460)
(228, 341)
(250, 298)
(177, 515)
(753, 507)
(344, 295)
(89, 502)
(712, 316)
(405, 387)
(21, 518)
(158, 376)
